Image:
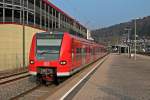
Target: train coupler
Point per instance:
(48, 75)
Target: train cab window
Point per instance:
(48, 46)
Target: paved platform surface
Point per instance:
(119, 78)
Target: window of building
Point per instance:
(38, 3)
(54, 24)
(57, 25)
(8, 1)
(50, 10)
(43, 21)
(57, 14)
(47, 23)
(46, 8)
(1, 14)
(60, 16)
(37, 19)
(31, 1)
(17, 2)
(8, 15)
(25, 3)
(43, 5)
(63, 18)
(16, 15)
(31, 4)
(54, 11)
(50, 24)
(1, 5)
(30, 18)
(25, 17)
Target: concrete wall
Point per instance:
(11, 45)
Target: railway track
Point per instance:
(10, 75)
(41, 92)
(26, 92)
(39, 88)
(13, 77)
(144, 53)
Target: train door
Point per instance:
(91, 53)
(83, 53)
(76, 54)
(73, 54)
(87, 54)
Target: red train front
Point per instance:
(59, 54)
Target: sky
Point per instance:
(96, 14)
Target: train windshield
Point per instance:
(48, 46)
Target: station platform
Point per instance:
(118, 78)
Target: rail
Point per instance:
(13, 77)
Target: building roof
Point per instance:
(59, 10)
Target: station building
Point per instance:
(35, 16)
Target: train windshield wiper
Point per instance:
(48, 52)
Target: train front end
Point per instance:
(44, 57)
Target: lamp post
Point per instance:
(128, 41)
(135, 39)
(23, 36)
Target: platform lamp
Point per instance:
(128, 41)
(135, 36)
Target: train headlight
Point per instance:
(63, 62)
(31, 62)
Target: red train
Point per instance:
(60, 54)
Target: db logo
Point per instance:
(46, 63)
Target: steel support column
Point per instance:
(55, 20)
(52, 19)
(23, 36)
(27, 11)
(48, 19)
(59, 22)
(34, 13)
(3, 12)
(20, 12)
(12, 11)
(135, 40)
(40, 13)
(45, 15)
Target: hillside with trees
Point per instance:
(113, 34)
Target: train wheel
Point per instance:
(56, 82)
(39, 79)
(55, 78)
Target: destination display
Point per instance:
(49, 36)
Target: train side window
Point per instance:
(93, 51)
(83, 51)
(78, 50)
(78, 54)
